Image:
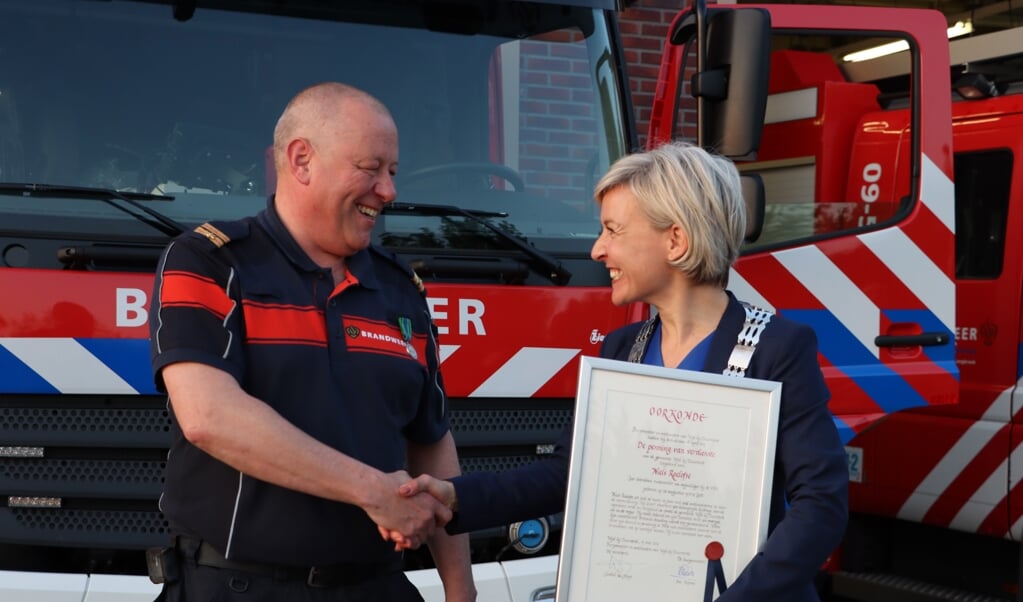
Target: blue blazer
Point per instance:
(810, 465)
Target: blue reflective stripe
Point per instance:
(942, 355)
(128, 358)
(844, 430)
(885, 387)
(16, 377)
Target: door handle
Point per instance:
(924, 339)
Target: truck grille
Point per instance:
(85, 528)
(104, 458)
(91, 426)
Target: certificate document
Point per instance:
(670, 482)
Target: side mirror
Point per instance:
(753, 195)
(731, 84)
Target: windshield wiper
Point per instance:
(107, 195)
(543, 262)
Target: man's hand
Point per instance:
(408, 520)
(443, 490)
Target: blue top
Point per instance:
(354, 365)
(693, 360)
(809, 472)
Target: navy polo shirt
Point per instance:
(354, 365)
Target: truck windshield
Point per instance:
(506, 108)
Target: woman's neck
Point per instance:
(688, 318)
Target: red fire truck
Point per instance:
(123, 123)
(908, 275)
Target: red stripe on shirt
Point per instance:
(185, 289)
(374, 336)
(268, 323)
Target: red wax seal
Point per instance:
(714, 551)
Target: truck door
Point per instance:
(964, 473)
(958, 473)
(972, 479)
(858, 233)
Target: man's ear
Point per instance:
(300, 153)
(678, 242)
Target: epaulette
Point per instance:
(416, 280)
(214, 234)
(402, 265)
(221, 233)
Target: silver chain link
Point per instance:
(749, 336)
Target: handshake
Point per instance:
(409, 510)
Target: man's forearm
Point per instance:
(218, 417)
(450, 552)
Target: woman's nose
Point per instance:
(597, 252)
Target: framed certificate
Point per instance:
(670, 482)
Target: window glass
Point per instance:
(833, 152)
(982, 206)
(511, 115)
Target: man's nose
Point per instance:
(385, 188)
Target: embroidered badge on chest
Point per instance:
(396, 338)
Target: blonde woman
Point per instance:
(673, 221)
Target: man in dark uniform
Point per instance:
(302, 372)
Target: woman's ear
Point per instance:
(678, 242)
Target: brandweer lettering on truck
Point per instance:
(132, 311)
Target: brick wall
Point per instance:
(556, 100)
(558, 128)
(644, 26)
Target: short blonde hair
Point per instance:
(680, 183)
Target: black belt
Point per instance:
(314, 576)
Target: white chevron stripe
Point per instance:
(833, 288)
(905, 259)
(938, 193)
(992, 491)
(948, 469)
(1015, 473)
(446, 351)
(1001, 408)
(958, 457)
(1016, 530)
(66, 365)
(525, 372)
(744, 291)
